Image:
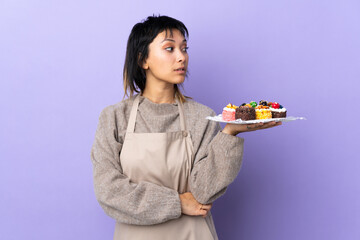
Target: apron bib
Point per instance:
(164, 159)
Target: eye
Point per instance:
(185, 49)
(169, 49)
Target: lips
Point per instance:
(180, 69)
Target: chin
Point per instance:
(178, 81)
(174, 80)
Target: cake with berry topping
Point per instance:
(277, 110)
(228, 113)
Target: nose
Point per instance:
(181, 56)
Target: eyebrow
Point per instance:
(171, 40)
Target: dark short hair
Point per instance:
(137, 50)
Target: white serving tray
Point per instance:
(218, 118)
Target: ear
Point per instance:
(144, 64)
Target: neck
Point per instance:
(160, 93)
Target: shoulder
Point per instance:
(117, 111)
(196, 114)
(198, 108)
(202, 129)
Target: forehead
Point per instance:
(173, 34)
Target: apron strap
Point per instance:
(133, 113)
(132, 118)
(181, 114)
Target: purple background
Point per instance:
(61, 64)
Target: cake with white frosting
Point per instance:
(277, 110)
(228, 113)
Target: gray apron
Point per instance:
(164, 159)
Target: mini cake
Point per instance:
(245, 112)
(277, 110)
(263, 112)
(228, 113)
(253, 110)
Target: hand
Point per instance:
(190, 206)
(234, 129)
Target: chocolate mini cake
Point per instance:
(276, 114)
(245, 113)
(277, 110)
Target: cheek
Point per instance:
(159, 60)
(162, 56)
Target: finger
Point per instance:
(201, 212)
(257, 125)
(261, 125)
(206, 207)
(270, 124)
(204, 215)
(253, 127)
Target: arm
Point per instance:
(219, 159)
(140, 203)
(217, 163)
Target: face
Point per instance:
(167, 59)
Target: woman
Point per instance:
(158, 163)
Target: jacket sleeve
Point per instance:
(217, 163)
(140, 203)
